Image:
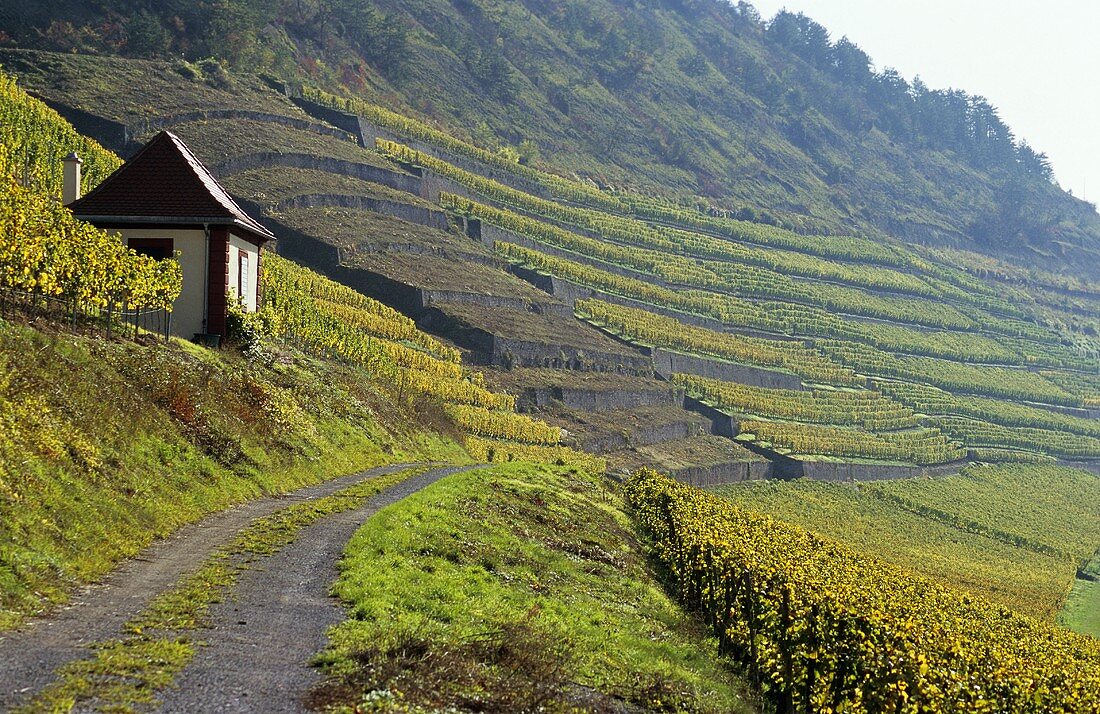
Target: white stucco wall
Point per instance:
(187, 311)
(238, 245)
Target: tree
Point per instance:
(380, 39)
(748, 13)
(227, 31)
(805, 37)
(1034, 163)
(850, 63)
(146, 36)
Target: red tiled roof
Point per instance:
(165, 182)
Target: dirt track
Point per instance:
(29, 656)
(256, 657)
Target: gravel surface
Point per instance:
(256, 657)
(30, 655)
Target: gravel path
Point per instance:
(256, 657)
(30, 655)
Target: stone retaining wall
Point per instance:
(853, 472)
(328, 260)
(403, 211)
(439, 297)
(785, 467)
(113, 135)
(432, 184)
(341, 167)
(155, 124)
(721, 424)
(666, 363)
(602, 443)
(1082, 412)
(597, 400)
(511, 352)
(487, 234)
(1092, 466)
(641, 435)
(721, 474)
(489, 349)
(344, 121)
(422, 306)
(570, 292)
(366, 131)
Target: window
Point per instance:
(155, 248)
(242, 276)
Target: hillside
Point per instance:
(897, 444)
(770, 120)
(941, 364)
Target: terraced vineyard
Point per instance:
(923, 447)
(797, 608)
(650, 329)
(1014, 534)
(934, 362)
(857, 408)
(932, 401)
(1085, 385)
(330, 319)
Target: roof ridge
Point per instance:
(116, 197)
(217, 191)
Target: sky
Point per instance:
(1037, 62)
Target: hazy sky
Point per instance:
(1037, 62)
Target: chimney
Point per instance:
(71, 185)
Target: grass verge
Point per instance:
(107, 445)
(1082, 610)
(514, 588)
(126, 673)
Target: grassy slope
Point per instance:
(1014, 534)
(107, 445)
(497, 588)
(151, 89)
(1082, 611)
(269, 186)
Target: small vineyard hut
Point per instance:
(164, 200)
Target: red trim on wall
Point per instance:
(217, 282)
